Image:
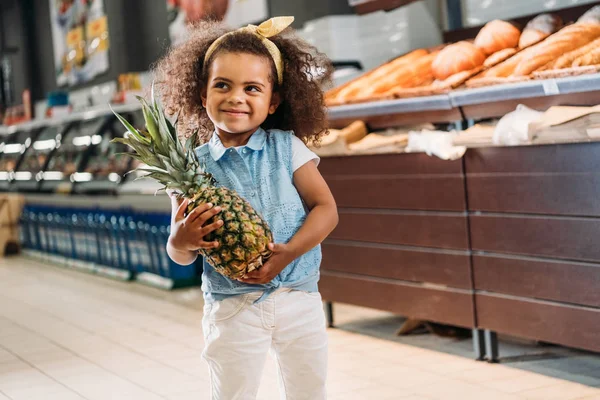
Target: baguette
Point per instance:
(407, 75)
(499, 56)
(354, 88)
(591, 58)
(568, 39)
(506, 68)
(566, 60)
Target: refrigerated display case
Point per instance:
(9, 161)
(106, 166)
(63, 168)
(12, 156)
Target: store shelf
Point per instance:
(525, 90)
(497, 93)
(386, 107)
(578, 84)
(388, 113)
(496, 101)
(91, 113)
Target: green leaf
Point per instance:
(129, 127)
(165, 134)
(176, 160)
(150, 120)
(191, 142)
(153, 98)
(165, 179)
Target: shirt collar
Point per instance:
(256, 142)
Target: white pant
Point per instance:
(238, 335)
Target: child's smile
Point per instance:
(239, 96)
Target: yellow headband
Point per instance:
(267, 29)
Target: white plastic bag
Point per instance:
(513, 128)
(435, 143)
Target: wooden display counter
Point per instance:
(503, 240)
(402, 241)
(534, 222)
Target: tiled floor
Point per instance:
(65, 335)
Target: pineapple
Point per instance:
(244, 237)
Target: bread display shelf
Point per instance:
(475, 103)
(391, 113)
(489, 94)
(579, 84)
(496, 101)
(438, 102)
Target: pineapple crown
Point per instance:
(166, 160)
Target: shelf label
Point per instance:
(551, 87)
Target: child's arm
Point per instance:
(319, 223)
(187, 233)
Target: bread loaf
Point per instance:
(497, 35)
(569, 38)
(499, 56)
(457, 57)
(506, 68)
(539, 29)
(592, 16)
(406, 75)
(353, 89)
(590, 58)
(354, 132)
(566, 60)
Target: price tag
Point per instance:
(551, 87)
(593, 133)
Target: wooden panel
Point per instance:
(439, 305)
(567, 282)
(566, 237)
(563, 158)
(572, 326)
(501, 108)
(388, 164)
(443, 193)
(414, 229)
(395, 120)
(439, 267)
(565, 194)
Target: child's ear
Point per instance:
(203, 97)
(275, 102)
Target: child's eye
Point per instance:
(220, 85)
(253, 89)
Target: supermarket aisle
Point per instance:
(65, 335)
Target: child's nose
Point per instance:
(237, 96)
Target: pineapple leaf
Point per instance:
(150, 120)
(153, 98)
(120, 140)
(176, 160)
(165, 179)
(162, 189)
(189, 147)
(164, 131)
(150, 168)
(130, 127)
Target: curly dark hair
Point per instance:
(180, 79)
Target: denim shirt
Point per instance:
(261, 172)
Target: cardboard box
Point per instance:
(11, 206)
(9, 239)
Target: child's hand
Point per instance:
(187, 233)
(281, 258)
